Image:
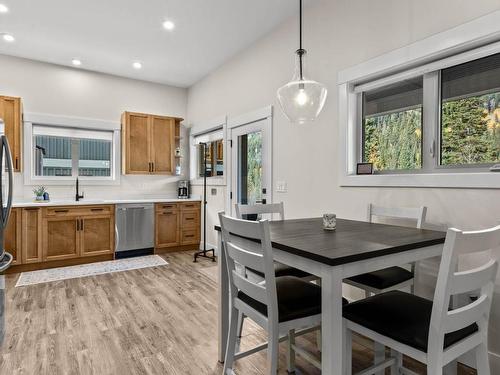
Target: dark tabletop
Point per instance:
(352, 240)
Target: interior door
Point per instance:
(137, 143)
(162, 140)
(251, 162)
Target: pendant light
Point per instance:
(301, 99)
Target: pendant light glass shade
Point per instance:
(302, 99)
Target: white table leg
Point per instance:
(331, 320)
(223, 296)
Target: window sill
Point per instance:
(480, 180)
(69, 181)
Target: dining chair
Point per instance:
(392, 278)
(429, 331)
(280, 305)
(279, 269)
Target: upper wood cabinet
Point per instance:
(11, 113)
(148, 143)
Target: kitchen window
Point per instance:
(58, 154)
(213, 155)
(64, 152)
(430, 125)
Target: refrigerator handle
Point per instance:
(8, 160)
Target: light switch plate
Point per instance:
(281, 187)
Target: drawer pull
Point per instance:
(189, 218)
(61, 211)
(32, 209)
(96, 209)
(189, 235)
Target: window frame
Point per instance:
(34, 119)
(218, 125)
(432, 174)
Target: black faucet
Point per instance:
(78, 196)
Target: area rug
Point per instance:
(91, 269)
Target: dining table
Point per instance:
(353, 248)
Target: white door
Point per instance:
(251, 161)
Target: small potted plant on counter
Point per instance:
(39, 192)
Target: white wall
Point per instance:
(58, 90)
(340, 34)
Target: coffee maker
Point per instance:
(183, 189)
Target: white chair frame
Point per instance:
(259, 209)
(410, 213)
(240, 247)
(450, 283)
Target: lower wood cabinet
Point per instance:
(12, 236)
(77, 232)
(177, 224)
(97, 235)
(167, 228)
(31, 232)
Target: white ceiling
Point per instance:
(108, 35)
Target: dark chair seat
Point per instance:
(282, 270)
(383, 279)
(296, 299)
(401, 316)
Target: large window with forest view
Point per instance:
(392, 126)
(470, 113)
(432, 120)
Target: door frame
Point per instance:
(262, 114)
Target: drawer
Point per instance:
(190, 236)
(190, 219)
(78, 210)
(166, 207)
(190, 206)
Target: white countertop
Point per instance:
(90, 201)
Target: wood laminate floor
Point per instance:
(151, 321)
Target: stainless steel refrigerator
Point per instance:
(5, 207)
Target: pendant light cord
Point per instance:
(301, 52)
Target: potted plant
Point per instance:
(39, 191)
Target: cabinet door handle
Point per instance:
(77, 225)
(16, 162)
(152, 167)
(82, 225)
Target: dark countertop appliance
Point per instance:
(183, 189)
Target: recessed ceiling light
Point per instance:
(3, 8)
(137, 65)
(76, 62)
(8, 38)
(168, 25)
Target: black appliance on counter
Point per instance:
(183, 189)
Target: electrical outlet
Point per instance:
(281, 187)
(214, 191)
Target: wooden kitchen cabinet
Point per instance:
(11, 113)
(177, 225)
(60, 238)
(97, 235)
(80, 231)
(12, 236)
(31, 224)
(167, 228)
(148, 143)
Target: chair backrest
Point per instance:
(479, 280)
(248, 243)
(258, 209)
(413, 213)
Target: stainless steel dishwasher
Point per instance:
(134, 229)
